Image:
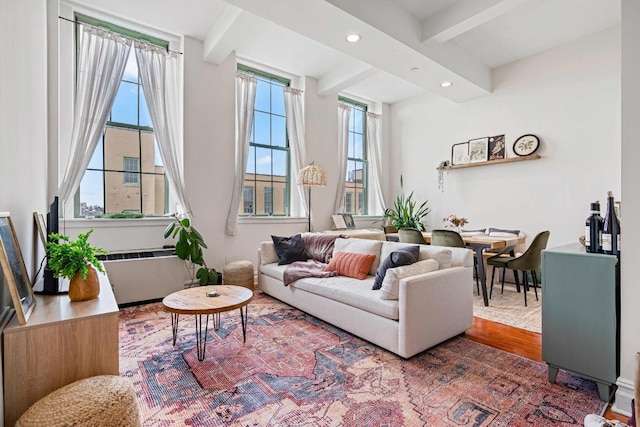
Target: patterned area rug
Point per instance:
(508, 308)
(296, 370)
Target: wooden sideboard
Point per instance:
(62, 342)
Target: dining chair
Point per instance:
(453, 239)
(411, 235)
(529, 261)
(390, 229)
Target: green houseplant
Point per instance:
(76, 260)
(189, 248)
(404, 213)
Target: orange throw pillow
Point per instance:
(351, 264)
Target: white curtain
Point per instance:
(101, 62)
(159, 77)
(245, 101)
(377, 203)
(295, 131)
(344, 111)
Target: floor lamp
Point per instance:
(312, 176)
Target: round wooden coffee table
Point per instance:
(196, 302)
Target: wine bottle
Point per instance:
(611, 229)
(593, 229)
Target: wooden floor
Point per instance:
(516, 341)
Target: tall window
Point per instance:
(268, 159)
(247, 200)
(356, 179)
(126, 172)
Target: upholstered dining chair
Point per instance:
(529, 261)
(453, 239)
(410, 235)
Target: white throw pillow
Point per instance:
(360, 246)
(391, 284)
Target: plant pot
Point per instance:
(84, 289)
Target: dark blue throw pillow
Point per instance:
(403, 256)
(289, 249)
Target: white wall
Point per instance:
(630, 269)
(568, 96)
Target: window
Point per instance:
(356, 179)
(126, 172)
(247, 200)
(268, 158)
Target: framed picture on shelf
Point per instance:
(497, 147)
(348, 219)
(478, 150)
(338, 222)
(460, 153)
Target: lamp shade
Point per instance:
(312, 176)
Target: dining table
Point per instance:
(479, 243)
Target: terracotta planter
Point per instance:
(84, 289)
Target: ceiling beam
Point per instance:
(216, 45)
(464, 16)
(346, 75)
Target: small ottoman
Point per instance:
(105, 400)
(238, 273)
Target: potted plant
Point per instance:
(76, 260)
(404, 213)
(189, 248)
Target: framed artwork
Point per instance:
(497, 148)
(460, 153)
(478, 150)
(41, 225)
(348, 219)
(526, 145)
(13, 271)
(338, 222)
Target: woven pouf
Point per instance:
(238, 273)
(105, 400)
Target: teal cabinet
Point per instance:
(580, 315)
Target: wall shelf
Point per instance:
(492, 162)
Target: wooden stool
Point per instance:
(105, 400)
(238, 273)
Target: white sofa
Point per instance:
(431, 307)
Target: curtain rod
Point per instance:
(107, 29)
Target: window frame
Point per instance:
(281, 81)
(364, 160)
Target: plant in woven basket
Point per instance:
(189, 248)
(404, 213)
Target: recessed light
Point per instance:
(446, 84)
(353, 38)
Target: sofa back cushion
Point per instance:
(440, 254)
(360, 246)
(391, 284)
(351, 264)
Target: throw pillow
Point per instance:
(360, 246)
(351, 264)
(498, 232)
(403, 256)
(391, 284)
(289, 249)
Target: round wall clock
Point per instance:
(526, 145)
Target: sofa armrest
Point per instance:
(267, 253)
(434, 307)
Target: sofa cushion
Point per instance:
(399, 257)
(289, 249)
(351, 264)
(441, 254)
(361, 246)
(353, 292)
(391, 284)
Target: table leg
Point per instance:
(201, 339)
(216, 321)
(174, 326)
(478, 248)
(243, 319)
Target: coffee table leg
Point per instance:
(174, 326)
(243, 319)
(216, 321)
(201, 339)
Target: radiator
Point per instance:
(147, 275)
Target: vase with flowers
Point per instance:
(456, 221)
